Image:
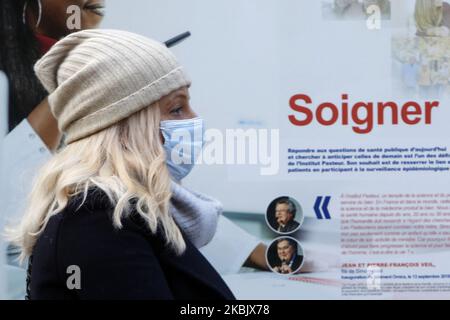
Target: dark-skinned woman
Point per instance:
(28, 29)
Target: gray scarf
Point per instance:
(195, 213)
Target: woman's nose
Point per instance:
(192, 114)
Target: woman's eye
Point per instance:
(97, 9)
(176, 111)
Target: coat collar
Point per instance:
(191, 262)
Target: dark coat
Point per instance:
(296, 263)
(127, 263)
(291, 226)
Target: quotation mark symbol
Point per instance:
(321, 208)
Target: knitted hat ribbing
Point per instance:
(96, 78)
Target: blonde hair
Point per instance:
(427, 15)
(126, 161)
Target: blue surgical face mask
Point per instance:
(183, 142)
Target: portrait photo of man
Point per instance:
(281, 215)
(285, 256)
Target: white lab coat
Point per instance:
(25, 153)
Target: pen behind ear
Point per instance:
(178, 39)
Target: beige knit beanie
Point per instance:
(96, 78)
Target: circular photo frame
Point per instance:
(285, 255)
(284, 215)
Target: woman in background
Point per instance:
(432, 18)
(28, 29)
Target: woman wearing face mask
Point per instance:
(432, 18)
(104, 220)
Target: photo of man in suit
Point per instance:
(285, 211)
(284, 256)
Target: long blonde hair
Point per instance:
(427, 15)
(126, 161)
